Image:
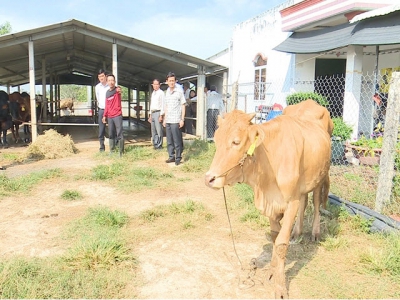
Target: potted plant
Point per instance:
(341, 133)
(368, 151)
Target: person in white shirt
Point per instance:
(215, 107)
(174, 116)
(100, 91)
(156, 115)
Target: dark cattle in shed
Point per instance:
(5, 117)
(21, 112)
(282, 160)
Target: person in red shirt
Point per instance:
(113, 113)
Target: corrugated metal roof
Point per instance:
(376, 12)
(380, 30)
(75, 47)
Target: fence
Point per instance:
(362, 113)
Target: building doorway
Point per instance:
(330, 82)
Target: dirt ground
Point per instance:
(200, 265)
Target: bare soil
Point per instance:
(200, 264)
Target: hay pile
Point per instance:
(51, 145)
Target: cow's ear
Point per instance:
(256, 131)
(220, 120)
(251, 116)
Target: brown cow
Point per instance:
(310, 110)
(67, 104)
(282, 160)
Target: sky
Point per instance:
(194, 27)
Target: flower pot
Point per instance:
(369, 160)
(366, 156)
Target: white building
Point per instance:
(315, 39)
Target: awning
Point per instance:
(380, 30)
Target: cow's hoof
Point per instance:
(280, 292)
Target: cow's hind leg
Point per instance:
(298, 226)
(316, 225)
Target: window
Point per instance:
(260, 76)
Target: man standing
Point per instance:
(156, 115)
(215, 107)
(174, 111)
(101, 89)
(113, 113)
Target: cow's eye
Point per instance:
(236, 142)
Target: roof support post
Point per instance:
(352, 92)
(44, 98)
(51, 94)
(201, 104)
(129, 105)
(32, 88)
(115, 61)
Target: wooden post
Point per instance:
(386, 169)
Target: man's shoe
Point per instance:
(177, 163)
(170, 160)
(102, 150)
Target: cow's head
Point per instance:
(233, 139)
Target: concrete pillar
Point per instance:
(51, 95)
(44, 96)
(352, 94)
(32, 89)
(201, 104)
(115, 61)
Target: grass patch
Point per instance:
(198, 157)
(140, 178)
(107, 172)
(384, 260)
(250, 213)
(71, 195)
(332, 243)
(24, 184)
(105, 217)
(138, 153)
(98, 265)
(180, 216)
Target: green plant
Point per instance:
(71, 195)
(302, 96)
(341, 129)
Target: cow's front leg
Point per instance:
(275, 228)
(281, 247)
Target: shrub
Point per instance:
(341, 129)
(302, 96)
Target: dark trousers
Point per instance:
(115, 128)
(174, 141)
(102, 129)
(212, 117)
(157, 132)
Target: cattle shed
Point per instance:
(72, 52)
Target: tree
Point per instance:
(5, 28)
(78, 92)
